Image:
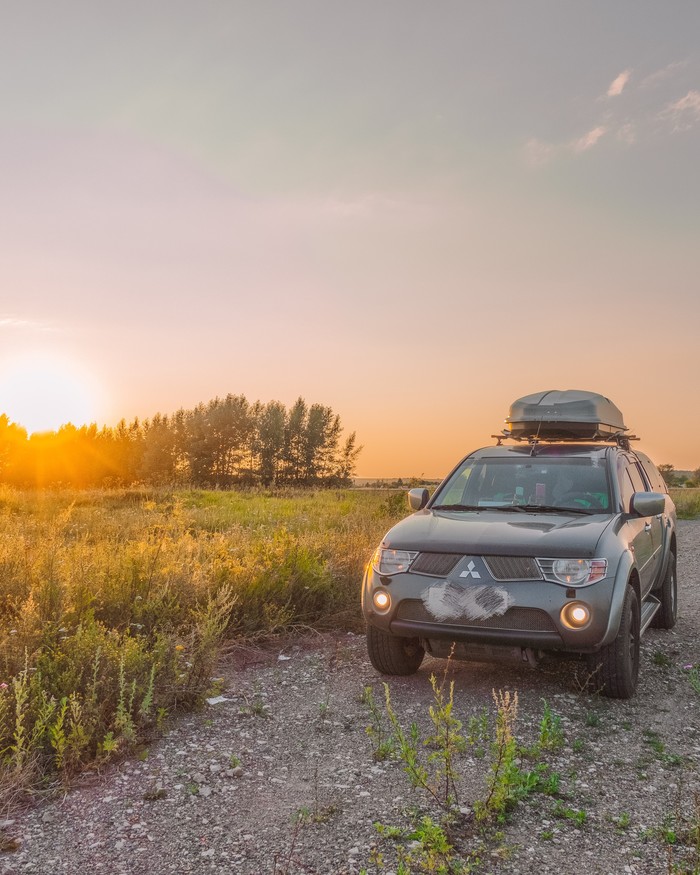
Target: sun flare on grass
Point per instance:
(42, 392)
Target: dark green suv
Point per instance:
(564, 541)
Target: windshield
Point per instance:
(574, 484)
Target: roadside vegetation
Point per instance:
(115, 604)
(453, 832)
(687, 501)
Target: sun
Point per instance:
(42, 392)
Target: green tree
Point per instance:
(270, 441)
(347, 460)
(294, 442)
(159, 457)
(13, 442)
(320, 445)
(668, 473)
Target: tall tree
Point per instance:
(270, 441)
(13, 439)
(159, 457)
(295, 441)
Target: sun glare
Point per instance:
(42, 392)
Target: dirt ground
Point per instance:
(287, 740)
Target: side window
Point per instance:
(637, 479)
(630, 481)
(653, 475)
(624, 482)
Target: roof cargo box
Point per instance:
(564, 415)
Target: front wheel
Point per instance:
(665, 617)
(618, 663)
(390, 654)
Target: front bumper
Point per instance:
(520, 613)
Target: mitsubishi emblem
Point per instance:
(471, 571)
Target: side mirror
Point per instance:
(647, 503)
(418, 498)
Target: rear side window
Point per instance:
(636, 478)
(653, 475)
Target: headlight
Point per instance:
(392, 561)
(573, 572)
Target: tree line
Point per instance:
(225, 442)
(680, 478)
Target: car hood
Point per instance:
(488, 533)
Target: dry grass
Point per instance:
(114, 604)
(687, 502)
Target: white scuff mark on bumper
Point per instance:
(448, 601)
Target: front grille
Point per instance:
(512, 568)
(436, 564)
(514, 619)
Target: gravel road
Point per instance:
(220, 791)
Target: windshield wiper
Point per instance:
(551, 508)
(456, 507)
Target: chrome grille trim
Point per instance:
(512, 567)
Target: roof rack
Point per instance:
(622, 440)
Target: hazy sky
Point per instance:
(413, 212)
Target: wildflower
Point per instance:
(179, 647)
(3, 686)
(688, 667)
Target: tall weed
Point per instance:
(114, 603)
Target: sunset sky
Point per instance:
(412, 212)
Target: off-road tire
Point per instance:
(665, 617)
(390, 654)
(618, 663)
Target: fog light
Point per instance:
(382, 600)
(575, 615)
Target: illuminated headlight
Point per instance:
(573, 572)
(382, 600)
(392, 561)
(575, 615)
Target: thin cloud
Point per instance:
(685, 112)
(589, 140)
(538, 153)
(617, 86)
(661, 75)
(626, 134)
(15, 322)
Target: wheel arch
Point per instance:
(627, 575)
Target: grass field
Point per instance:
(114, 604)
(687, 502)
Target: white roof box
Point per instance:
(570, 414)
